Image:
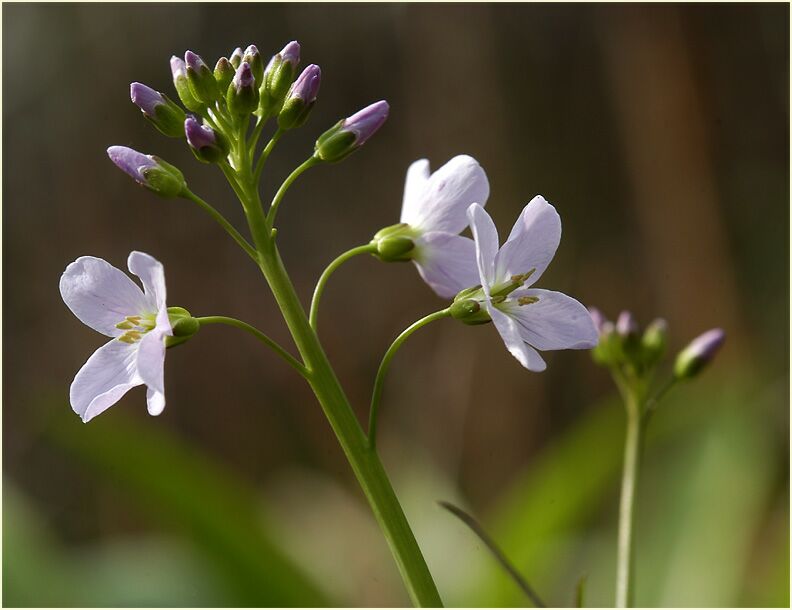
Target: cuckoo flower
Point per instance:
(432, 216)
(105, 299)
(528, 319)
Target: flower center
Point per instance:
(514, 283)
(135, 327)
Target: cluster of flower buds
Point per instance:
(622, 344)
(220, 103)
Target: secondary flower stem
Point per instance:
(320, 285)
(266, 153)
(310, 162)
(376, 394)
(243, 243)
(651, 404)
(625, 544)
(364, 462)
(290, 360)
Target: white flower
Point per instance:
(434, 208)
(528, 319)
(105, 299)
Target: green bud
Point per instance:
(223, 73)
(698, 354)
(166, 180)
(654, 340)
(242, 96)
(179, 71)
(392, 249)
(609, 349)
(335, 144)
(203, 85)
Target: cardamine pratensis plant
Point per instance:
(225, 112)
(632, 358)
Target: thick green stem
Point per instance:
(221, 220)
(320, 285)
(625, 545)
(379, 382)
(364, 461)
(271, 343)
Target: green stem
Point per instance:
(625, 544)
(651, 404)
(257, 129)
(221, 220)
(376, 395)
(320, 285)
(310, 162)
(365, 463)
(266, 153)
(290, 360)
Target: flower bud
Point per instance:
(301, 98)
(207, 145)
(253, 59)
(166, 116)
(349, 134)
(698, 354)
(597, 318)
(242, 97)
(608, 350)
(223, 73)
(148, 170)
(203, 85)
(236, 57)
(654, 341)
(278, 77)
(179, 71)
(626, 325)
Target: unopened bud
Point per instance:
(223, 73)
(242, 97)
(698, 354)
(654, 341)
(207, 144)
(203, 85)
(182, 86)
(253, 59)
(626, 325)
(278, 77)
(166, 116)
(236, 57)
(149, 171)
(301, 98)
(597, 318)
(349, 134)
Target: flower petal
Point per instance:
(555, 321)
(155, 401)
(101, 382)
(447, 262)
(100, 295)
(414, 185)
(532, 242)
(446, 195)
(486, 237)
(510, 333)
(151, 360)
(152, 274)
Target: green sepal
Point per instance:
(654, 342)
(335, 144)
(469, 311)
(164, 179)
(185, 95)
(242, 102)
(168, 118)
(203, 85)
(224, 73)
(294, 113)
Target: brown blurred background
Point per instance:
(660, 133)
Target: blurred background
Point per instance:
(660, 133)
